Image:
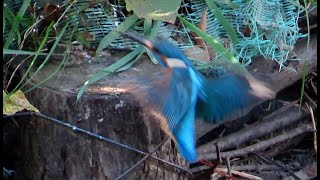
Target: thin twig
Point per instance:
(62, 15)
(219, 160)
(314, 128)
(309, 98)
(143, 159)
(314, 87)
(275, 163)
(250, 167)
(228, 166)
(14, 72)
(75, 128)
(241, 174)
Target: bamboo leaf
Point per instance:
(63, 62)
(49, 54)
(21, 52)
(125, 62)
(110, 69)
(15, 25)
(43, 42)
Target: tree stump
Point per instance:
(51, 151)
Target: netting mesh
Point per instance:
(263, 27)
(272, 25)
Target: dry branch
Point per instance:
(269, 124)
(262, 145)
(241, 174)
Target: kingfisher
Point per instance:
(181, 94)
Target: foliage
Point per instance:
(123, 63)
(165, 10)
(16, 21)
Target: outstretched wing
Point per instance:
(230, 96)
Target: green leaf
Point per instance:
(304, 72)
(21, 52)
(66, 56)
(166, 10)
(43, 42)
(296, 3)
(125, 25)
(15, 25)
(3, 24)
(63, 62)
(210, 40)
(125, 62)
(305, 61)
(313, 3)
(110, 69)
(223, 21)
(50, 53)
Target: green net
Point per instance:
(264, 27)
(272, 26)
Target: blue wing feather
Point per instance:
(229, 97)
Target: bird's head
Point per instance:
(166, 53)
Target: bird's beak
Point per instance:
(135, 37)
(145, 42)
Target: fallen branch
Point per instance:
(241, 174)
(261, 145)
(275, 121)
(250, 167)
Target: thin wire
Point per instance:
(143, 159)
(75, 128)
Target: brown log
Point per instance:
(105, 113)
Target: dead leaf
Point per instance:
(201, 51)
(203, 26)
(15, 103)
(51, 13)
(197, 53)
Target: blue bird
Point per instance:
(182, 94)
